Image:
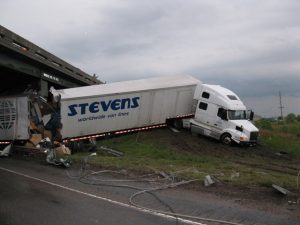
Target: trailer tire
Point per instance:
(226, 139)
(75, 146)
(177, 123)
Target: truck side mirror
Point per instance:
(251, 115)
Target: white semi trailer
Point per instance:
(122, 107)
(125, 106)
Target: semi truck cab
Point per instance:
(219, 113)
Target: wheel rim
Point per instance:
(226, 139)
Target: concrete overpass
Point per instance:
(25, 65)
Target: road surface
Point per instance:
(32, 192)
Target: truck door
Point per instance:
(204, 113)
(221, 119)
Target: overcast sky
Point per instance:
(249, 46)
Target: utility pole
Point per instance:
(280, 106)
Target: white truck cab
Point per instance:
(222, 115)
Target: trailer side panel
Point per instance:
(101, 114)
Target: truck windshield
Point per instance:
(237, 115)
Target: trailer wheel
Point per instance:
(74, 146)
(226, 139)
(178, 124)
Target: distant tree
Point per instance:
(298, 118)
(290, 118)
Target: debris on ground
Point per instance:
(56, 153)
(61, 149)
(174, 129)
(281, 153)
(208, 180)
(216, 180)
(6, 150)
(292, 202)
(163, 174)
(280, 189)
(111, 151)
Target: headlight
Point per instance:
(243, 138)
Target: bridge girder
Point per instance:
(23, 63)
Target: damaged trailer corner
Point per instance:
(28, 118)
(27, 123)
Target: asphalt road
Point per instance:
(32, 192)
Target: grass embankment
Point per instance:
(281, 136)
(192, 157)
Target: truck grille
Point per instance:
(7, 114)
(253, 136)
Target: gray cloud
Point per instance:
(258, 75)
(250, 46)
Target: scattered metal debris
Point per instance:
(174, 129)
(112, 151)
(54, 160)
(281, 153)
(164, 175)
(216, 180)
(55, 153)
(6, 150)
(208, 180)
(280, 189)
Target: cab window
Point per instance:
(222, 113)
(205, 94)
(203, 106)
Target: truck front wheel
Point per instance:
(226, 139)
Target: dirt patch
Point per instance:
(261, 199)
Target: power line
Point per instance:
(280, 106)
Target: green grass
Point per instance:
(280, 143)
(148, 155)
(159, 151)
(281, 136)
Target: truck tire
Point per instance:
(226, 139)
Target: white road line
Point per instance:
(101, 198)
